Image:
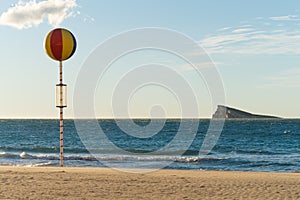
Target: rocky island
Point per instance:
(233, 113)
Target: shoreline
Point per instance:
(106, 183)
(134, 170)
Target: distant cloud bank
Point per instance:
(24, 15)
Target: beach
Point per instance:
(105, 183)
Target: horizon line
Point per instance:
(134, 118)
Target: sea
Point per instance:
(271, 145)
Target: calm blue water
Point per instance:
(244, 145)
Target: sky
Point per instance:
(254, 45)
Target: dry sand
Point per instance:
(101, 183)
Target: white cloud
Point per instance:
(241, 30)
(286, 18)
(26, 14)
(272, 35)
(246, 26)
(89, 19)
(224, 29)
(241, 41)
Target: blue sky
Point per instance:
(255, 45)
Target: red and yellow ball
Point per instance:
(60, 44)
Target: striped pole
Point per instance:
(61, 116)
(60, 44)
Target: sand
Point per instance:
(104, 183)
